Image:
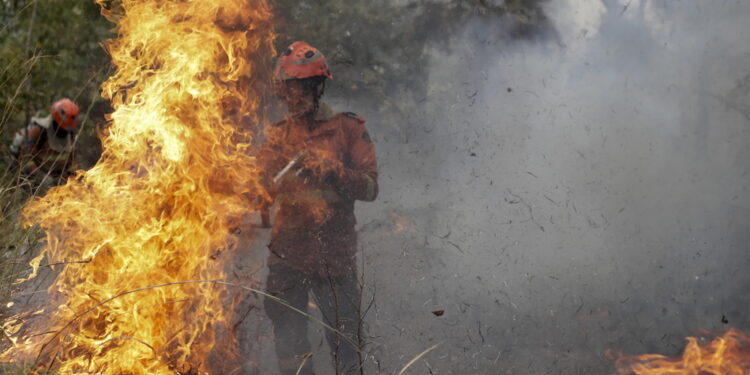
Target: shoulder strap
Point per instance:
(354, 116)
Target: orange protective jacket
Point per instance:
(314, 226)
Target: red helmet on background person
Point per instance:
(64, 112)
(299, 61)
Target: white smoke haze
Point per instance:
(566, 196)
(561, 196)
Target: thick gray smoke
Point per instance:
(561, 197)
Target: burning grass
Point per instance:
(727, 354)
(157, 208)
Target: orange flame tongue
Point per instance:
(725, 355)
(157, 206)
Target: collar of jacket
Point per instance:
(324, 112)
(45, 122)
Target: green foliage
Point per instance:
(50, 49)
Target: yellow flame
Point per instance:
(728, 354)
(156, 209)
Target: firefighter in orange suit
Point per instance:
(313, 241)
(44, 149)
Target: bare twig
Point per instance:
(29, 34)
(304, 360)
(218, 282)
(244, 316)
(66, 262)
(419, 356)
(125, 337)
(529, 207)
(336, 356)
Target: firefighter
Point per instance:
(313, 239)
(44, 149)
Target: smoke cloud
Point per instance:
(565, 195)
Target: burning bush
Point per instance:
(154, 212)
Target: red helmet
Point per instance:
(64, 112)
(299, 61)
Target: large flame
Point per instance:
(728, 354)
(157, 208)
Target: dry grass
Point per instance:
(17, 242)
(12, 197)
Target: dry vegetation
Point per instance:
(17, 241)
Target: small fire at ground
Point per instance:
(143, 230)
(728, 354)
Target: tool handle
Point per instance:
(293, 163)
